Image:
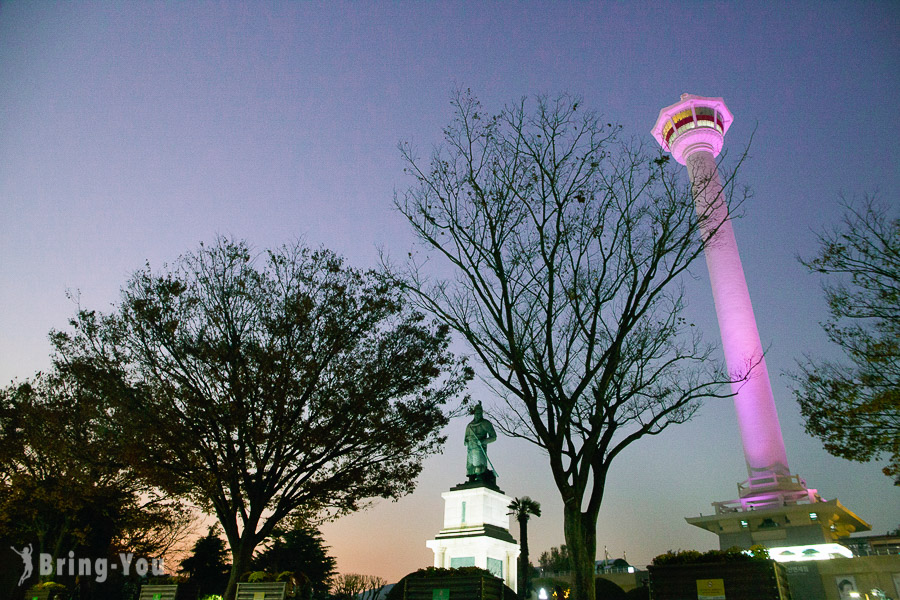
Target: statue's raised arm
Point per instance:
(479, 433)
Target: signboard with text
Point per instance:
(710, 589)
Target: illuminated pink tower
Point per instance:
(693, 130)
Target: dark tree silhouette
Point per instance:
(854, 406)
(260, 386)
(522, 508)
(348, 586)
(556, 560)
(207, 566)
(301, 550)
(64, 485)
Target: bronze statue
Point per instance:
(479, 433)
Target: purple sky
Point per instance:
(131, 131)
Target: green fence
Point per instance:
(158, 592)
(453, 588)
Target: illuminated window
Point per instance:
(706, 117)
(683, 118)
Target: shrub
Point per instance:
(638, 593)
(57, 590)
(607, 590)
(688, 557)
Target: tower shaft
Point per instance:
(753, 399)
(693, 130)
(774, 508)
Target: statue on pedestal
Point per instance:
(479, 433)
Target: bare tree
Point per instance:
(367, 587)
(567, 246)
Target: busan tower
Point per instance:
(774, 508)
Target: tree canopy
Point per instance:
(260, 385)
(853, 406)
(556, 560)
(63, 484)
(566, 246)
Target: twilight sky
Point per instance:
(131, 131)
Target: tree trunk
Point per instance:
(523, 559)
(57, 550)
(240, 561)
(581, 539)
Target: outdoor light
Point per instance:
(542, 595)
(809, 552)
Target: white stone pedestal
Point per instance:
(476, 532)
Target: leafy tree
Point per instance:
(567, 246)
(522, 508)
(854, 406)
(260, 386)
(301, 550)
(63, 484)
(557, 560)
(207, 566)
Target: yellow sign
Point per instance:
(710, 589)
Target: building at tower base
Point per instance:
(807, 524)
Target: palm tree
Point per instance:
(523, 508)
